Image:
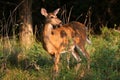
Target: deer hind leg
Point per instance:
(75, 55)
(77, 58)
(72, 50)
(85, 53)
(68, 60)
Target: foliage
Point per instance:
(105, 61)
(106, 55)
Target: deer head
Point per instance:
(51, 18)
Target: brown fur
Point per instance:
(68, 35)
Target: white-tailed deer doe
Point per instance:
(57, 40)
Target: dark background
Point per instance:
(103, 12)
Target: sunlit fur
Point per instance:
(64, 38)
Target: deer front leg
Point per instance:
(56, 62)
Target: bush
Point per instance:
(105, 61)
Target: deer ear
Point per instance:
(44, 12)
(56, 11)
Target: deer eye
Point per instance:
(51, 17)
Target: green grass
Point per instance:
(21, 64)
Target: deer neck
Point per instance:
(48, 29)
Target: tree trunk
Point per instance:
(26, 31)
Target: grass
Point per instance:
(35, 64)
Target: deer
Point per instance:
(55, 40)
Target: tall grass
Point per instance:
(105, 55)
(36, 64)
